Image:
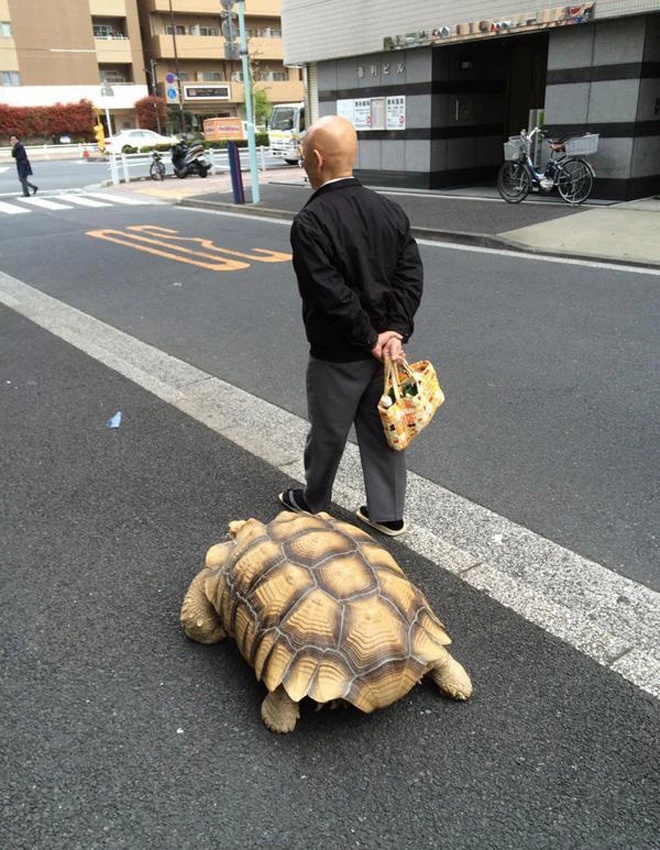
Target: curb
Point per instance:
(479, 240)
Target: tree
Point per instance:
(151, 112)
(262, 106)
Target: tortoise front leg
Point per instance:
(279, 712)
(198, 617)
(451, 677)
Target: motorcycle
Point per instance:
(189, 159)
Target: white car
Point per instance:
(137, 139)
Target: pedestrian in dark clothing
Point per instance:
(22, 166)
(360, 278)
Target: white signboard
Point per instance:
(362, 114)
(345, 109)
(377, 113)
(396, 112)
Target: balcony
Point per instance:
(113, 50)
(286, 91)
(267, 8)
(191, 7)
(107, 8)
(208, 47)
(264, 8)
(265, 48)
(188, 47)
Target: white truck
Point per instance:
(286, 124)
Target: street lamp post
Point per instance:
(106, 93)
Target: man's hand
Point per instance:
(388, 344)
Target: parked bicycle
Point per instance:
(566, 171)
(157, 168)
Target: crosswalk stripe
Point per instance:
(83, 201)
(120, 199)
(10, 209)
(45, 204)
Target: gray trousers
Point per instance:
(338, 396)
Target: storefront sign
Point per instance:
(219, 129)
(560, 16)
(396, 113)
(362, 114)
(376, 113)
(206, 93)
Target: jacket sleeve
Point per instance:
(323, 287)
(407, 286)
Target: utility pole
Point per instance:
(154, 90)
(176, 68)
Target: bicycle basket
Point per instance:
(514, 149)
(582, 144)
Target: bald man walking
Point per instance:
(360, 278)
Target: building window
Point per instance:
(5, 29)
(178, 30)
(114, 75)
(237, 76)
(11, 78)
(269, 32)
(214, 31)
(184, 76)
(274, 76)
(213, 76)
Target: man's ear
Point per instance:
(318, 157)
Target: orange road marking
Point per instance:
(265, 255)
(211, 252)
(131, 240)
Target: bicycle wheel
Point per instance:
(157, 171)
(513, 182)
(574, 181)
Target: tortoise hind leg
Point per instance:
(451, 677)
(279, 712)
(198, 617)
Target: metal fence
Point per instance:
(39, 153)
(125, 167)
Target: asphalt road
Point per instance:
(120, 733)
(552, 410)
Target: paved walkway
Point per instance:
(615, 232)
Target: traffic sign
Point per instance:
(232, 51)
(172, 93)
(169, 79)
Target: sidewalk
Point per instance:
(627, 233)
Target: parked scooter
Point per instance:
(189, 159)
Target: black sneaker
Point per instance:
(35, 189)
(392, 528)
(294, 500)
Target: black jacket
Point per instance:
(358, 268)
(22, 162)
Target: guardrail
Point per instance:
(39, 153)
(120, 165)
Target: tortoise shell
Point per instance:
(317, 606)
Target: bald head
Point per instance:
(329, 150)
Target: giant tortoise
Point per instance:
(320, 610)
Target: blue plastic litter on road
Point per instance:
(115, 421)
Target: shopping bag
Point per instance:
(411, 396)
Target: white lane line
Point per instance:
(44, 203)
(83, 201)
(124, 199)
(456, 246)
(10, 209)
(613, 620)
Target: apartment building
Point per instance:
(62, 52)
(434, 87)
(184, 42)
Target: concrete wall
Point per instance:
(605, 77)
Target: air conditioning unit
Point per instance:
(199, 76)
